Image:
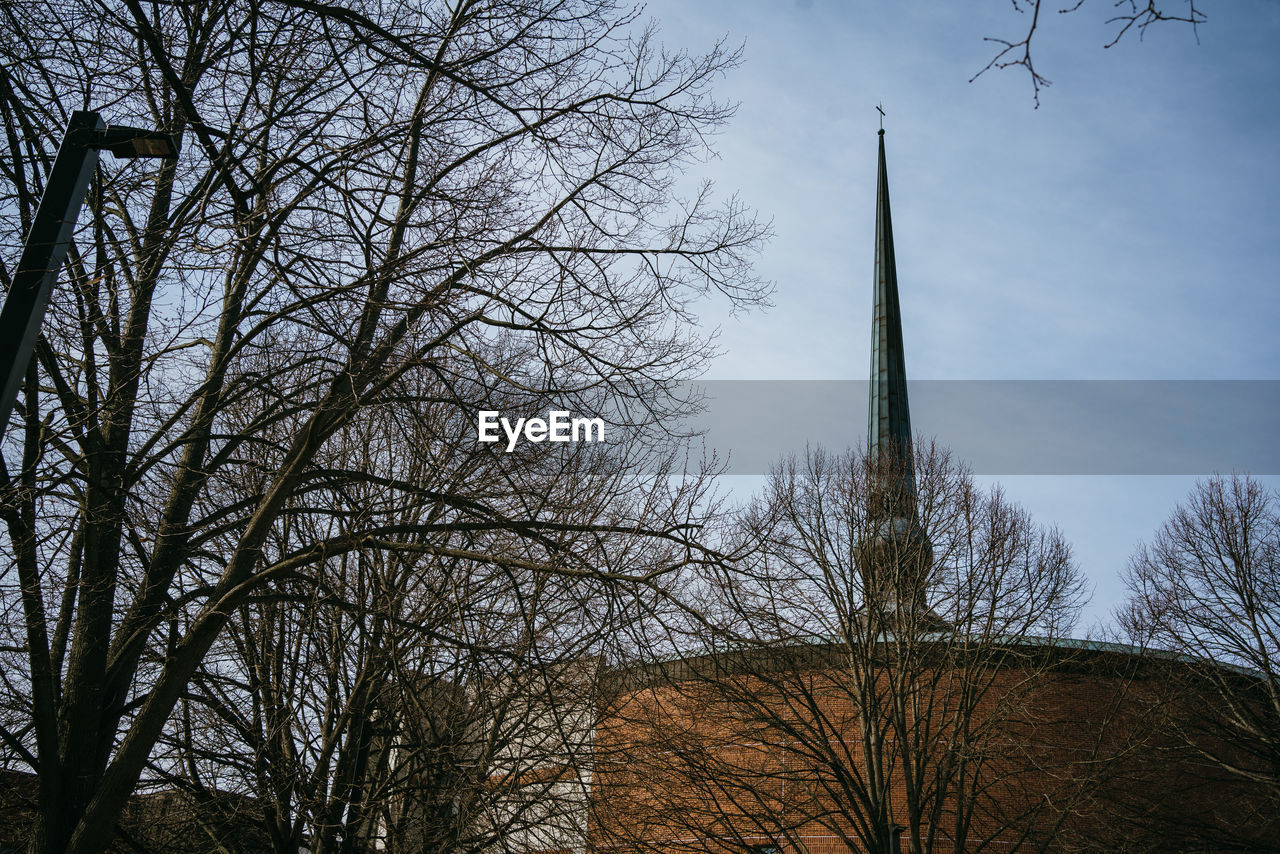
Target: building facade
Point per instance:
(909, 729)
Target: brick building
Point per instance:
(907, 734)
(755, 752)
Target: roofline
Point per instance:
(1096, 648)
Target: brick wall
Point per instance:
(1060, 749)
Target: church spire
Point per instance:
(889, 416)
(895, 556)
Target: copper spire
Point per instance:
(889, 416)
(896, 555)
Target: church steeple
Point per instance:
(889, 416)
(895, 555)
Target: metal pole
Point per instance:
(45, 250)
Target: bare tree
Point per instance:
(439, 695)
(1207, 590)
(1126, 16)
(861, 683)
(369, 196)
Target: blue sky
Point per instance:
(1126, 229)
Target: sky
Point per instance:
(1126, 229)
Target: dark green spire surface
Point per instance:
(896, 556)
(889, 416)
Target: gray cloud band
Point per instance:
(1090, 427)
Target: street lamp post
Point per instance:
(50, 235)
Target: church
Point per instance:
(905, 687)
